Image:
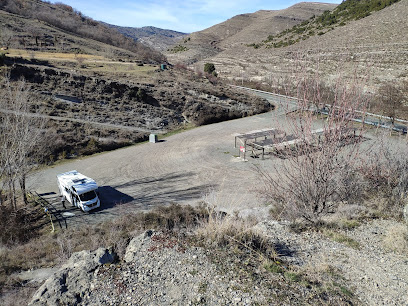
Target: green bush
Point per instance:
(348, 10)
(209, 68)
(178, 48)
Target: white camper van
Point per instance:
(78, 190)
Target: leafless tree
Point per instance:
(391, 100)
(385, 169)
(316, 171)
(20, 136)
(6, 36)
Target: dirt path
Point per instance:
(84, 121)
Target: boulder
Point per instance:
(136, 244)
(72, 281)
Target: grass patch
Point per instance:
(274, 267)
(349, 224)
(293, 277)
(342, 238)
(121, 68)
(344, 290)
(72, 57)
(182, 129)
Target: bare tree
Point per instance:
(315, 172)
(391, 98)
(6, 36)
(20, 136)
(385, 169)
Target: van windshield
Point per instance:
(90, 195)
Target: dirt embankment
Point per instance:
(169, 101)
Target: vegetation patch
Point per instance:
(345, 12)
(178, 48)
(342, 238)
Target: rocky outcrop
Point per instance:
(69, 284)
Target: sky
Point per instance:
(183, 16)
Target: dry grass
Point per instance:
(222, 230)
(85, 62)
(130, 69)
(53, 55)
(236, 250)
(396, 239)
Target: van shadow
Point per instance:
(149, 192)
(110, 197)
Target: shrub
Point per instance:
(209, 68)
(385, 170)
(315, 175)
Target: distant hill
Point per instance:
(374, 45)
(39, 25)
(244, 29)
(159, 39)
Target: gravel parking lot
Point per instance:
(182, 168)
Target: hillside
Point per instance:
(39, 25)
(100, 93)
(244, 29)
(376, 45)
(156, 38)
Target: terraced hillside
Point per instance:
(38, 25)
(375, 45)
(244, 29)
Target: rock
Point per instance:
(72, 281)
(36, 276)
(135, 245)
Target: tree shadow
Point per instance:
(174, 187)
(135, 196)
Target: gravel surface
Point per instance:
(160, 271)
(181, 169)
(376, 275)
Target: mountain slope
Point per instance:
(245, 29)
(156, 38)
(376, 45)
(41, 25)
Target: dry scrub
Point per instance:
(230, 242)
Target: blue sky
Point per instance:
(184, 16)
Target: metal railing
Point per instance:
(53, 214)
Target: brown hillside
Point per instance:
(376, 44)
(39, 25)
(245, 29)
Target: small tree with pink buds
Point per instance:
(316, 172)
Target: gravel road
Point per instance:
(182, 168)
